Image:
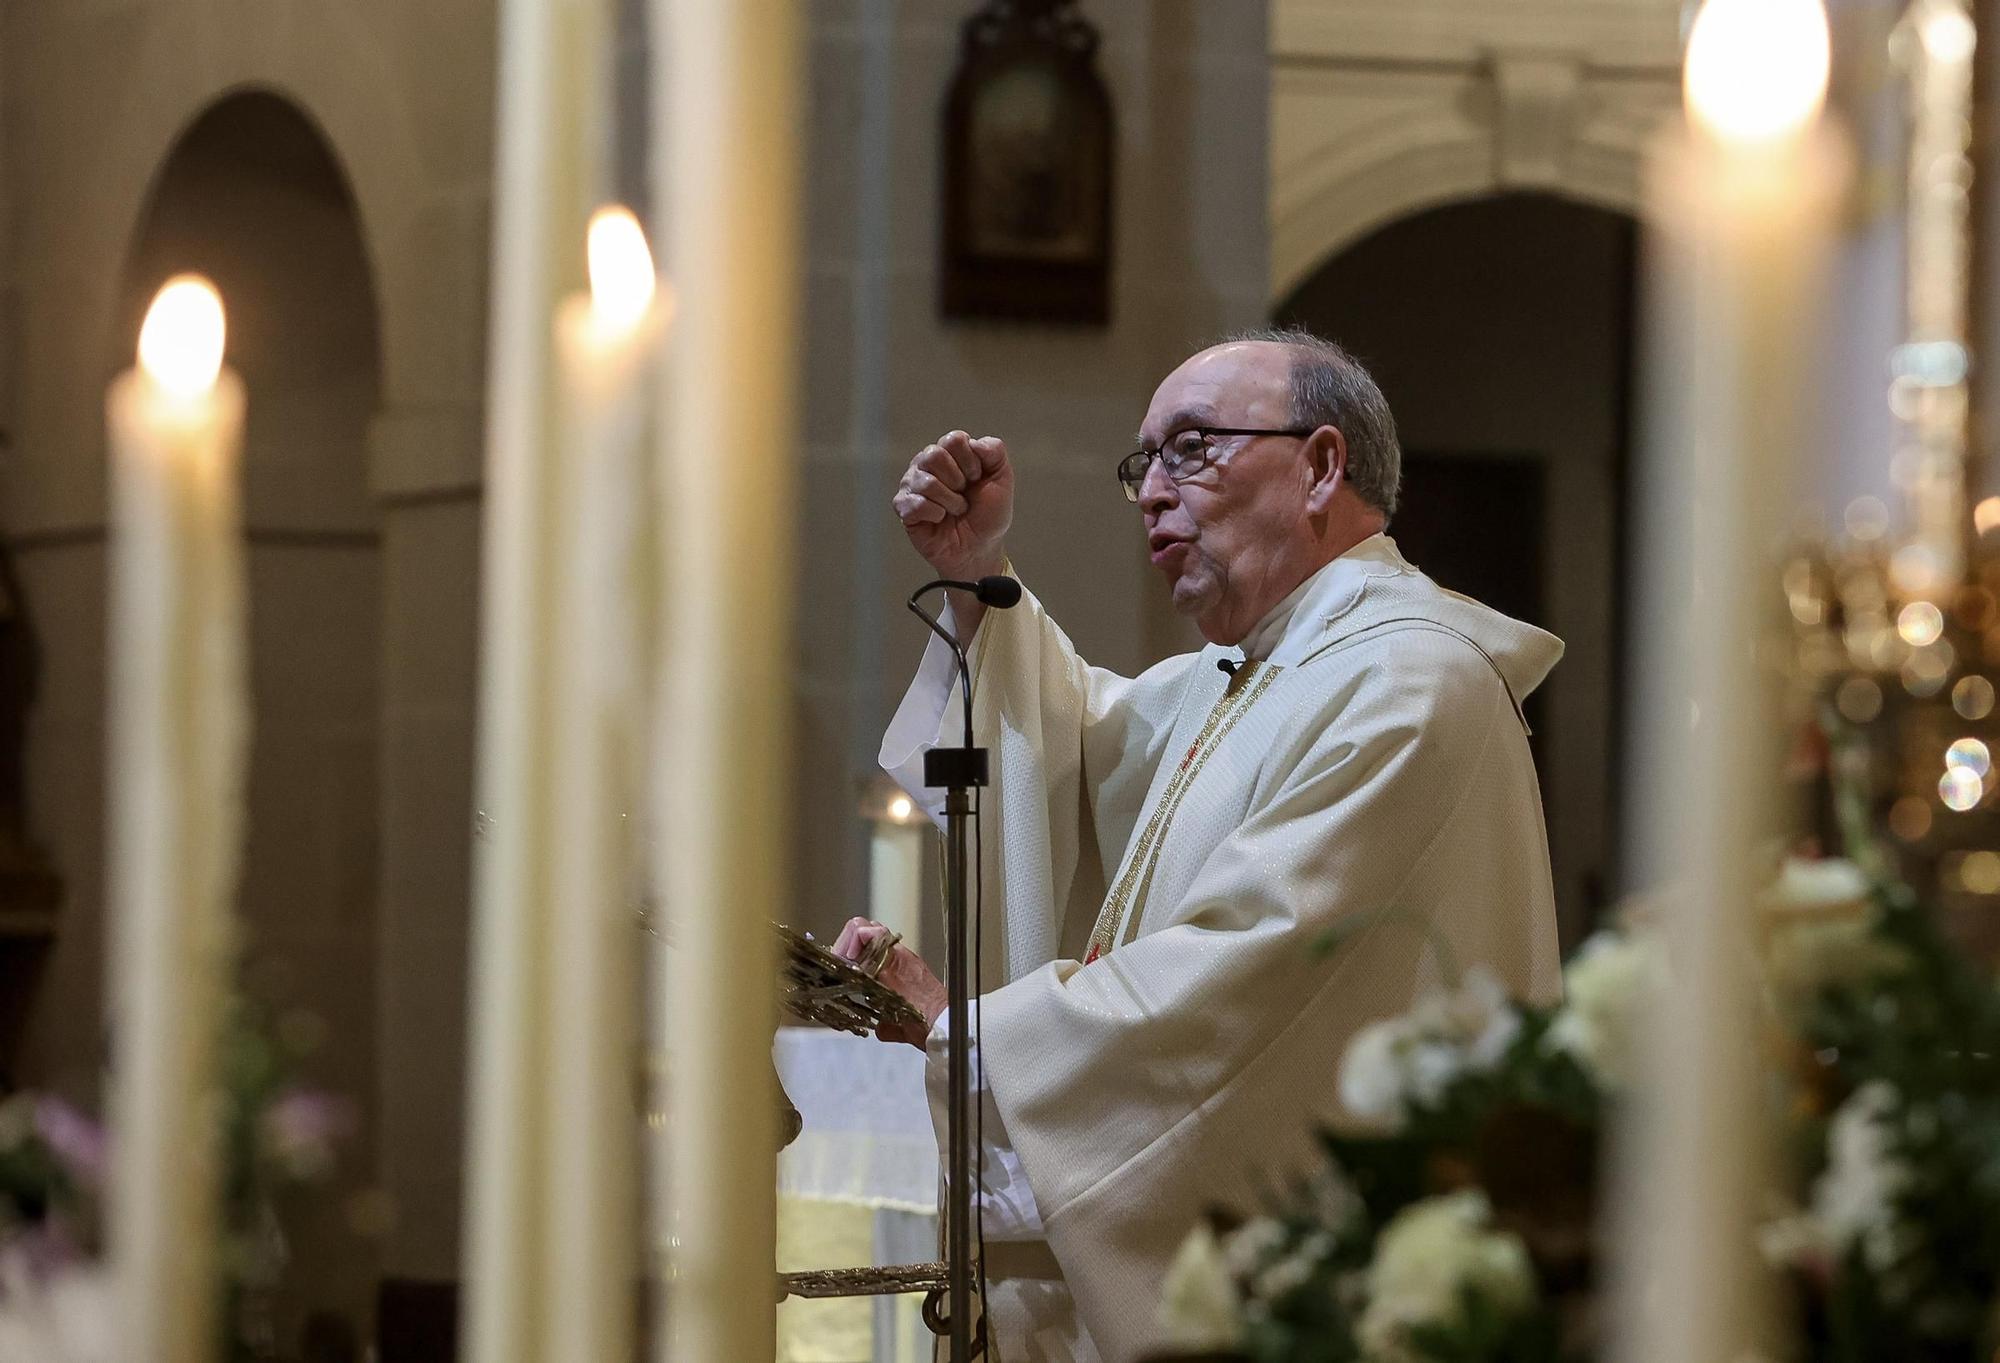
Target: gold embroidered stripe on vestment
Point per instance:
(1245, 686)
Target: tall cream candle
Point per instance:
(179, 728)
(728, 94)
(605, 345)
(1743, 201)
(552, 156)
(896, 869)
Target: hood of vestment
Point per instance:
(1372, 588)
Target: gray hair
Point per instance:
(1332, 388)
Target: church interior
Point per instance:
(486, 789)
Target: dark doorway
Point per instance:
(1495, 556)
(1501, 331)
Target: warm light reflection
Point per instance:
(1970, 754)
(180, 343)
(1920, 623)
(1910, 818)
(1914, 568)
(1948, 34)
(1972, 697)
(1756, 69)
(1867, 518)
(1859, 700)
(622, 281)
(900, 808)
(1960, 788)
(1986, 515)
(1980, 872)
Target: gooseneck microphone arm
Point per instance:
(997, 591)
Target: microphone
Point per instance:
(1227, 666)
(996, 590)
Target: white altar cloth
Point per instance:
(867, 1138)
(859, 1186)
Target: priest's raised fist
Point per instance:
(956, 501)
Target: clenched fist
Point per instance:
(956, 501)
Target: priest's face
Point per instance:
(1227, 537)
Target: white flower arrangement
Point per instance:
(1412, 1060)
(64, 1316)
(1607, 987)
(1200, 1306)
(1432, 1256)
(1820, 926)
(1854, 1200)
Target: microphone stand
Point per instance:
(958, 771)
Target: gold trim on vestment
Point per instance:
(1246, 684)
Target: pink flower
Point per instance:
(302, 1127)
(78, 1143)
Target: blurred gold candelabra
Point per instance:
(1898, 629)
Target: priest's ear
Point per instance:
(1326, 466)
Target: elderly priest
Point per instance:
(1167, 855)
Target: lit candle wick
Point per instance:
(181, 341)
(622, 281)
(1757, 69)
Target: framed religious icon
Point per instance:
(1027, 158)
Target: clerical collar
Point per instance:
(1326, 593)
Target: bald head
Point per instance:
(1329, 387)
(1261, 497)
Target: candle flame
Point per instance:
(1757, 69)
(180, 343)
(622, 281)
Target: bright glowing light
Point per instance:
(1920, 623)
(1756, 69)
(622, 281)
(1914, 568)
(1986, 515)
(1969, 754)
(1948, 34)
(180, 343)
(1960, 789)
(900, 808)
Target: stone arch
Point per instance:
(319, 60)
(1326, 206)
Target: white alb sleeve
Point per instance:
(1007, 1209)
(920, 721)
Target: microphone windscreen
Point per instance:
(998, 591)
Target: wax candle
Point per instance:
(727, 91)
(605, 347)
(896, 868)
(179, 721)
(1742, 202)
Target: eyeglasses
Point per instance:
(1185, 453)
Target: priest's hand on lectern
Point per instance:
(903, 971)
(956, 501)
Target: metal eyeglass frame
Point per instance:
(1132, 468)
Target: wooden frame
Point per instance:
(1028, 160)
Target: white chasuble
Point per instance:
(1198, 886)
